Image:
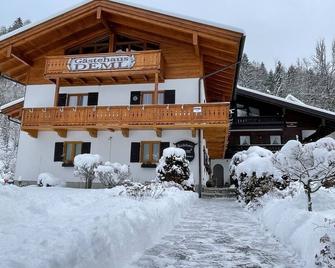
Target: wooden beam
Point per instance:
(125, 132)
(196, 44)
(146, 78)
(111, 42)
(68, 80)
(99, 13)
(99, 81)
(111, 130)
(56, 92)
(93, 132)
(61, 133)
(156, 88)
(32, 133)
(16, 55)
(114, 79)
(158, 132)
(82, 80)
(130, 79)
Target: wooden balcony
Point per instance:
(106, 68)
(173, 116)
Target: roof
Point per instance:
(290, 102)
(12, 103)
(13, 109)
(128, 3)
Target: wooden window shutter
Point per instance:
(169, 97)
(86, 148)
(135, 152)
(135, 97)
(93, 99)
(163, 146)
(62, 99)
(59, 150)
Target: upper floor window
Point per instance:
(244, 111)
(275, 140)
(244, 140)
(77, 100)
(125, 43)
(100, 45)
(89, 99)
(147, 97)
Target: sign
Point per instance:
(101, 63)
(197, 109)
(188, 147)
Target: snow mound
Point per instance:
(48, 180)
(77, 228)
(168, 152)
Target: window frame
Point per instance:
(79, 96)
(152, 96)
(280, 139)
(241, 144)
(151, 150)
(73, 151)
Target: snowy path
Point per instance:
(218, 233)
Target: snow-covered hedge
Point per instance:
(173, 166)
(84, 167)
(48, 180)
(64, 227)
(112, 174)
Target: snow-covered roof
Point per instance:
(172, 14)
(12, 103)
(289, 100)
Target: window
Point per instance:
(125, 43)
(71, 149)
(275, 140)
(77, 100)
(148, 97)
(254, 111)
(150, 152)
(306, 133)
(244, 111)
(100, 45)
(244, 140)
(241, 110)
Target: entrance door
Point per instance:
(218, 175)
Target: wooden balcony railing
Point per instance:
(131, 117)
(104, 65)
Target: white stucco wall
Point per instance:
(43, 95)
(37, 155)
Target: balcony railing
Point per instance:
(257, 121)
(104, 65)
(131, 117)
(233, 149)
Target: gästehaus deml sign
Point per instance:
(188, 147)
(101, 63)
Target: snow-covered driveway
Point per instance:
(218, 233)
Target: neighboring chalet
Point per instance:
(268, 121)
(124, 82)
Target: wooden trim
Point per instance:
(56, 92)
(158, 132)
(93, 132)
(125, 132)
(61, 133)
(151, 149)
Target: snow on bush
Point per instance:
(254, 171)
(312, 164)
(64, 227)
(48, 180)
(84, 167)
(140, 191)
(112, 174)
(326, 257)
(173, 166)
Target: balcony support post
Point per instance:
(194, 132)
(125, 132)
(156, 88)
(61, 133)
(33, 133)
(93, 132)
(158, 132)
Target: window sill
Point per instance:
(67, 165)
(148, 165)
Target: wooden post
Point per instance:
(111, 42)
(156, 88)
(56, 92)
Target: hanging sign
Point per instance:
(101, 63)
(188, 147)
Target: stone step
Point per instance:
(228, 195)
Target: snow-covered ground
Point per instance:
(218, 233)
(289, 220)
(62, 227)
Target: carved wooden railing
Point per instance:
(136, 116)
(143, 62)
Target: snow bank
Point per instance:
(62, 227)
(48, 180)
(292, 224)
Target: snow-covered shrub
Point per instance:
(173, 166)
(140, 191)
(254, 171)
(312, 164)
(112, 174)
(326, 257)
(84, 167)
(48, 180)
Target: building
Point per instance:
(124, 82)
(269, 121)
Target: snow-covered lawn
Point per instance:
(62, 227)
(289, 220)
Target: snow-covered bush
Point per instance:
(140, 191)
(173, 166)
(48, 180)
(254, 171)
(84, 167)
(112, 174)
(312, 164)
(326, 258)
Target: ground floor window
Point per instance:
(71, 149)
(275, 139)
(66, 151)
(244, 140)
(150, 152)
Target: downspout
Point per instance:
(201, 79)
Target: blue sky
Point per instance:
(276, 29)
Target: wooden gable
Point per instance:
(189, 49)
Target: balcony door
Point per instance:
(218, 175)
